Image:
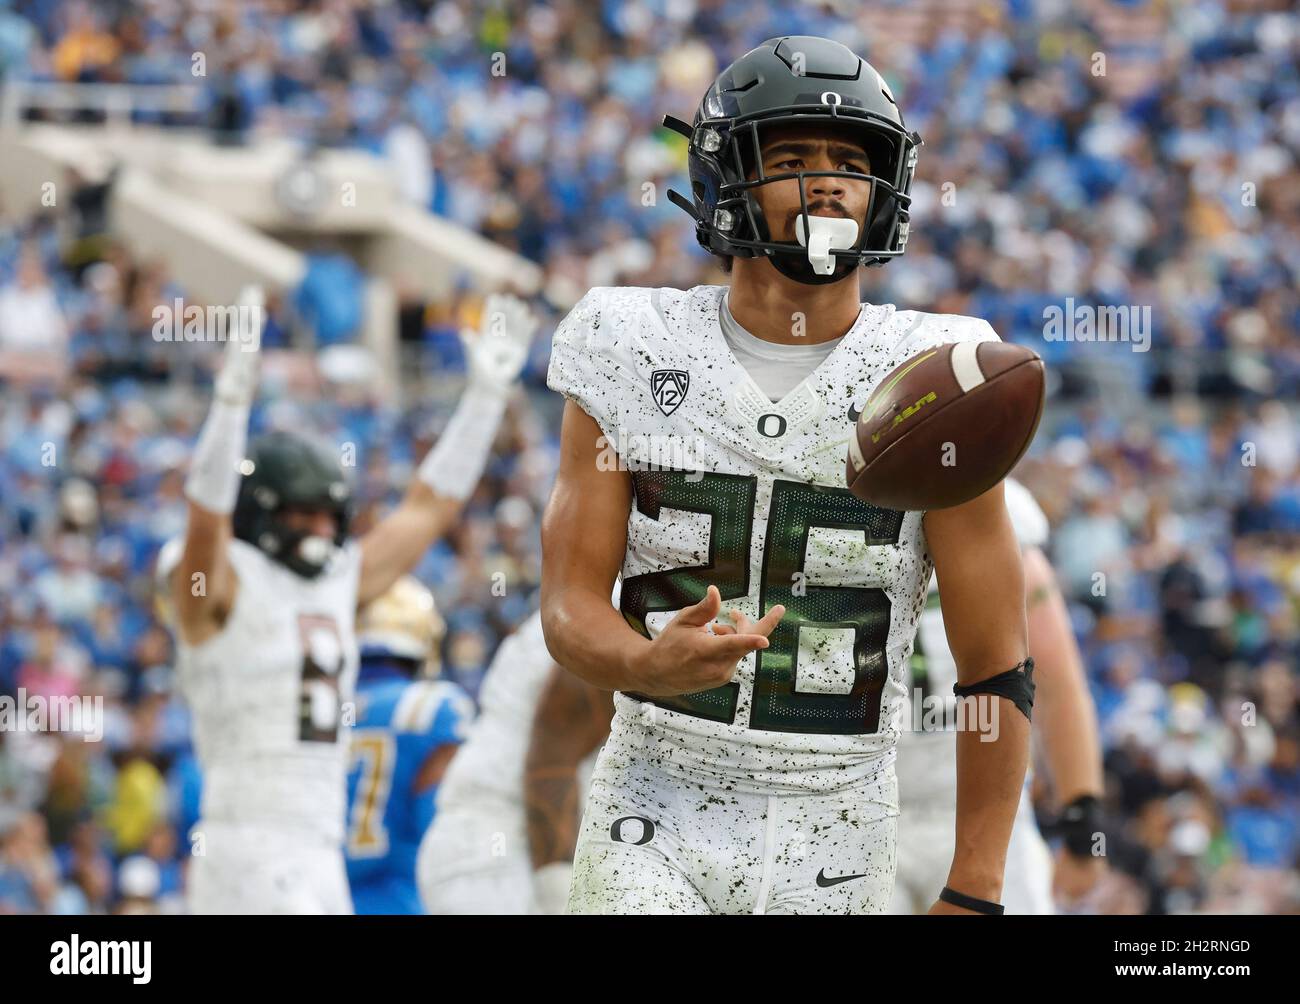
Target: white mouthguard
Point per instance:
(316, 550)
(828, 233)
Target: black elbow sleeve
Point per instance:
(1016, 685)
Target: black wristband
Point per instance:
(1079, 824)
(971, 903)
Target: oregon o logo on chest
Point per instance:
(771, 425)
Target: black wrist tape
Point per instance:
(1079, 824)
(971, 903)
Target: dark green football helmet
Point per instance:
(288, 470)
(797, 79)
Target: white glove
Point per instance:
(236, 384)
(496, 353)
(214, 477)
(551, 887)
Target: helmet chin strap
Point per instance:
(823, 234)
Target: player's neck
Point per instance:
(778, 309)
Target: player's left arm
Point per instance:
(1067, 724)
(446, 732)
(424, 786)
(981, 579)
(571, 721)
(395, 544)
(449, 473)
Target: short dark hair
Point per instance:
(724, 262)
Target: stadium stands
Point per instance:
(1168, 180)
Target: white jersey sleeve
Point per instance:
(169, 556)
(585, 361)
(1027, 518)
(929, 331)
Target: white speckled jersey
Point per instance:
(492, 758)
(475, 857)
(927, 765)
(267, 694)
(737, 491)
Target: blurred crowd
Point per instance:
(1171, 476)
(92, 464)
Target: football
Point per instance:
(946, 425)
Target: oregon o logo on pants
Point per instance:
(647, 830)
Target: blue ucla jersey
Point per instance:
(400, 722)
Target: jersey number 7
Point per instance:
(796, 508)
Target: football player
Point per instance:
(409, 725)
(265, 587)
(571, 722)
(1066, 727)
(504, 791)
(749, 767)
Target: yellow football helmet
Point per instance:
(403, 623)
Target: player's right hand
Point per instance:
(236, 384)
(692, 653)
(496, 354)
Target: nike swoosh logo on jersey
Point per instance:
(825, 882)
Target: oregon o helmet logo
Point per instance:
(616, 833)
(828, 95)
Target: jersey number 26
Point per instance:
(796, 508)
